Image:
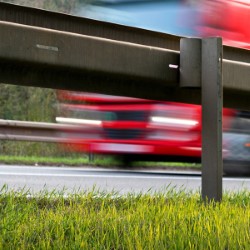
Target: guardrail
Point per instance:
(67, 52)
(54, 50)
(33, 131)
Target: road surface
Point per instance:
(74, 179)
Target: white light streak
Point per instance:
(174, 121)
(78, 121)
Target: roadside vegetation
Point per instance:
(67, 6)
(91, 161)
(172, 219)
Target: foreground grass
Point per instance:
(104, 161)
(95, 220)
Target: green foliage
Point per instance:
(60, 5)
(76, 159)
(172, 219)
(72, 160)
(27, 104)
(66, 6)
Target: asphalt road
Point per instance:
(35, 179)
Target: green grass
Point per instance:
(104, 161)
(173, 219)
(59, 161)
(29, 160)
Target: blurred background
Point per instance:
(37, 104)
(227, 18)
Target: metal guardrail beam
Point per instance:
(236, 75)
(47, 77)
(90, 27)
(86, 26)
(63, 60)
(33, 131)
(89, 55)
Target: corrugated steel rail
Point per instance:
(33, 131)
(66, 52)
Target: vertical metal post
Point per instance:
(201, 66)
(212, 103)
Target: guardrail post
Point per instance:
(201, 66)
(212, 103)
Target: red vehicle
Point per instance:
(228, 19)
(135, 129)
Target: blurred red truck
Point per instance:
(137, 129)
